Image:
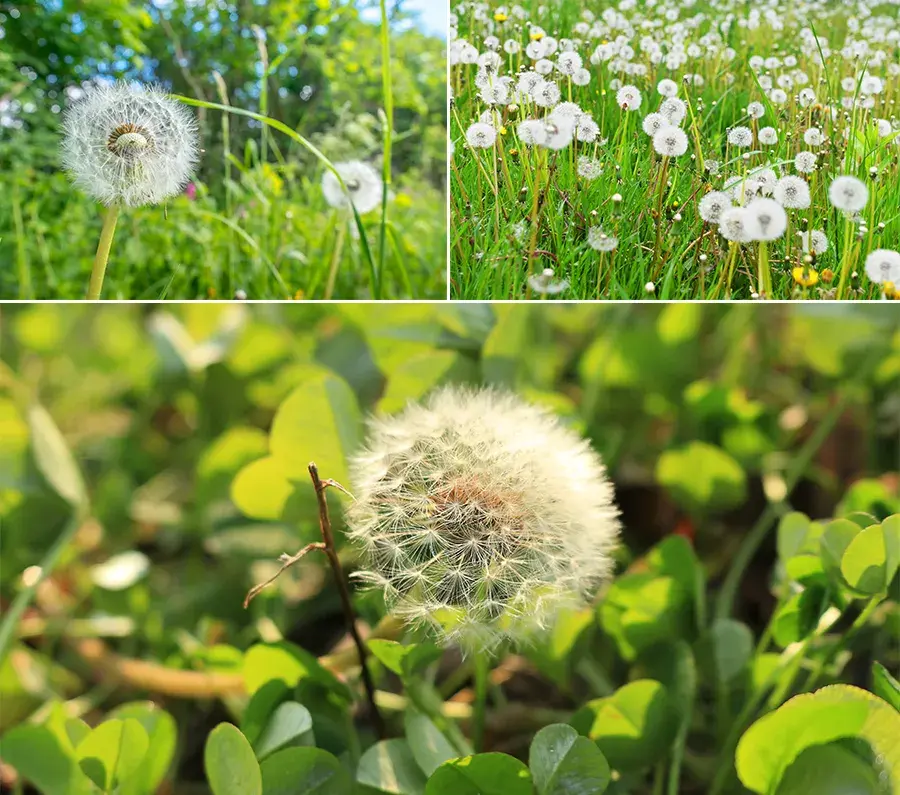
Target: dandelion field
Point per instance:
(244, 201)
(595, 548)
(675, 150)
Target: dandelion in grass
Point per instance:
(814, 242)
(792, 192)
(673, 110)
(628, 98)
(805, 162)
(128, 145)
(600, 241)
(848, 194)
(558, 132)
(481, 516)
(667, 88)
(481, 135)
(766, 219)
(768, 136)
(653, 123)
(670, 142)
(734, 225)
(364, 187)
(589, 168)
(883, 265)
(813, 137)
(586, 129)
(713, 205)
(756, 110)
(740, 137)
(545, 283)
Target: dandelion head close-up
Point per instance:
(480, 515)
(125, 143)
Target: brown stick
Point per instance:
(286, 562)
(349, 615)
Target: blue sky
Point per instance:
(432, 15)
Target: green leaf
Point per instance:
(290, 725)
(40, 758)
(798, 546)
(506, 345)
(304, 771)
(772, 744)
(885, 686)
(230, 764)
(702, 477)
(390, 766)
(261, 706)
(415, 377)
(633, 727)
(481, 774)
(797, 618)
(319, 421)
(836, 537)
(829, 770)
(870, 560)
(728, 647)
(163, 735)
(227, 454)
(261, 490)
(404, 659)
(54, 459)
(679, 322)
(428, 745)
(291, 664)
(564, 763)
(113, 752)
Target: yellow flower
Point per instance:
(805, 277)
(890, 291)
(502, 130)
(500, 17)
(403, 200)
(537, 35)
(299, 295)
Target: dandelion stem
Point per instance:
(482, 671)
(102, 256)
(765, 275)
(346, 604)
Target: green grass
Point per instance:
(518, 210)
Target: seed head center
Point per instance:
(128, 140)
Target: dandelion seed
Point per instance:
(129, 144)
(600, 241)
(670, 142)
(545, 284)
(765, 220)
(848, 194)
(364, 187)
(814, 241)
(733, 225)
(481, 135)
(741, 137)
(712, 205)
(805, 162)
(628, 98)
(883, 265)
(792, 192)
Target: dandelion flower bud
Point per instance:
(364, 186)
(481, 515)
(129, 144)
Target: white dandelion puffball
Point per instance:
(767, 219)
(734, 225)
(815, 242)
(364, 186)
(740, 137)
(712, 205)
(883, 265)
(600, 241)
(129, 144)
(670, 142)
(628, 98)
(805, 162)
(481, 135)
(768, 136)
(848, 194)
(653, 123)
(792, 192)
(481, 515)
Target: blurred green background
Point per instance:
(192, 427)
(258, 203)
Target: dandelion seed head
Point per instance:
(600, 241)
(805, 162)
(674, 110)
(733, 225)
(740, 137)
(848, 194)
(670, 141)
(481, 135)
(364, 187)
(814, 241)
(792, 192)
(712, 205)
(883, 265)
(766, 220)
(129, 144)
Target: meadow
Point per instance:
(623, 549)
(282, 112)
(702, 150)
